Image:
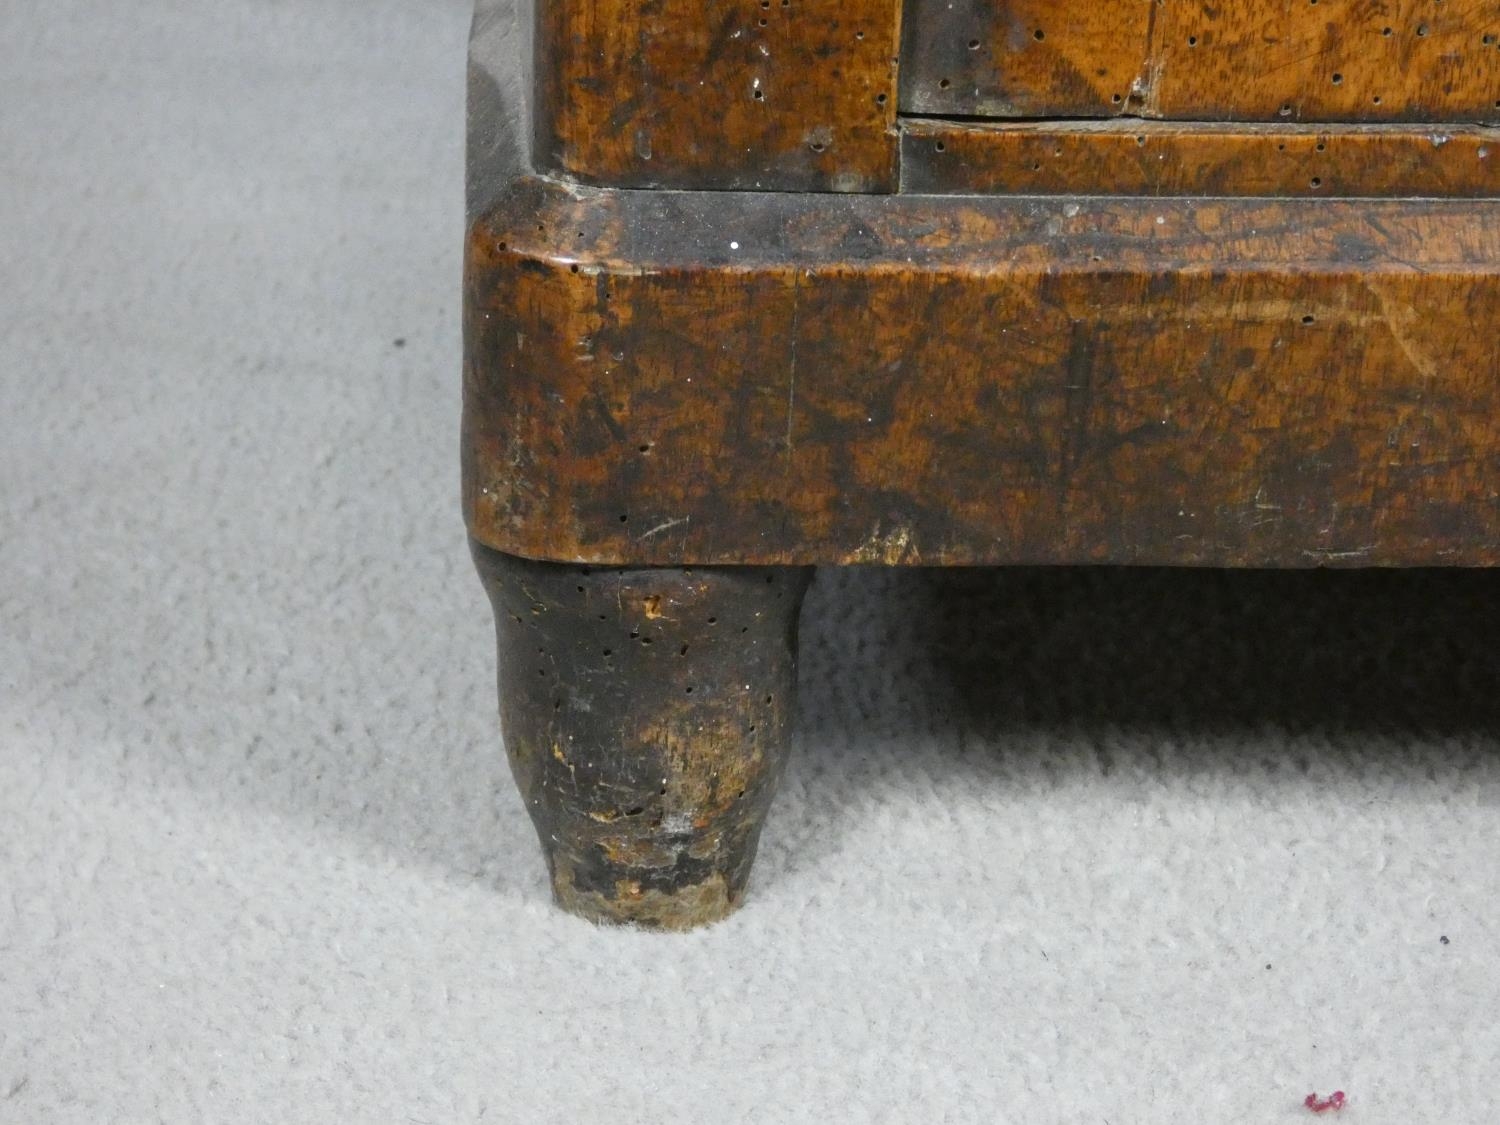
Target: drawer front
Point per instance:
(1176, 158)
(1284, 61)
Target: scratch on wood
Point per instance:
(1143, 90)
(1399, 320)
(1358, 552)
(664, 526)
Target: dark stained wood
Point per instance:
(1022, 58)
(705, 378)
(1157, 158)
(646, 716)
(1242, 60)
(785, 95)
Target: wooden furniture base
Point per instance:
(741, 300)
(645, 713)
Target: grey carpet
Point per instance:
(1068, 846)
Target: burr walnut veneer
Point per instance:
(754, 286)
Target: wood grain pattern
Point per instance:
(693, 395)
(1157, 158)
(1022, 58)
(784, 95)
(1239, 60)
(777, 379)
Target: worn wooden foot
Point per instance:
(645, 713)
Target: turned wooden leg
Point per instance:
(645, 713)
